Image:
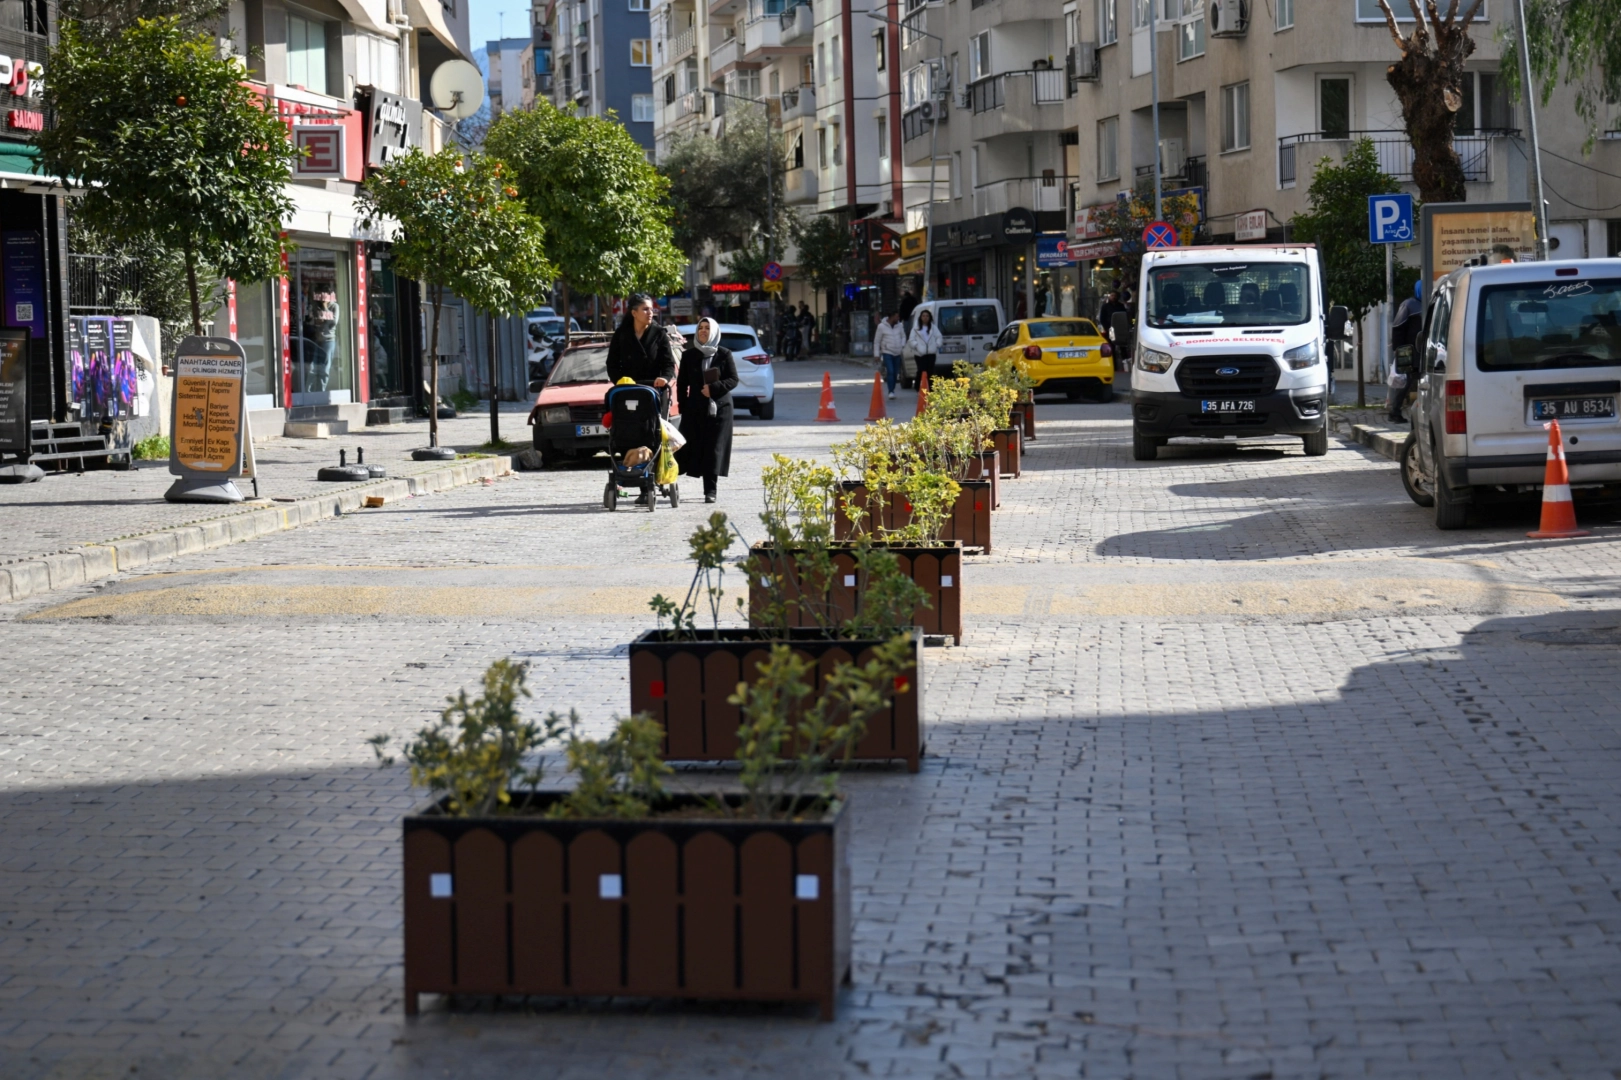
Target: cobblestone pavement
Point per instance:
(1243, 770)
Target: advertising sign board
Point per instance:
(14, 430)
(1455, 234)
(208, 416)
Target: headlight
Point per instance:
(1150, 360)
(556, 415)
(1303, 356)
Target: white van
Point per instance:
(1506, 349)
(1231, 343)
(968, 329)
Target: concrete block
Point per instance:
(132, 553)
(188, 540)
(216, 533)
(29, 578)
(64, 569)
(100, 561)
(309, 429)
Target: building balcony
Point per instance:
(760, 35)
(673, 50)
(1028, 192)
(1017, 102)
(1297, 155)
(693, 103)
(1194, 172)
(915, 125)
(724, 56)
(799, 102)
(799, 186)
(796, 26)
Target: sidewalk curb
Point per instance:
(1385, 443)
(90, 562)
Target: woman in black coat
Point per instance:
(640, 350)
(704, 389)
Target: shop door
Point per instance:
(321, 342)
(386, 351)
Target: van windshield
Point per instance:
(1563, 324)
(968, 319)
(1229, 294)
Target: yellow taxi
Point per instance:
(1063, 354)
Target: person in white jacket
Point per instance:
(925, 344)
(889, 342)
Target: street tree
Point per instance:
(1337, 222)
(824, 251)
(605, 207)
(460, 227)
(1129, 215)
(100, 18)
(721, 189)
(170, 145)
(1577, 42)
(1428, 81)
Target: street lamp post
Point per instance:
(937, 63)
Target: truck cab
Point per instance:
(1232, 342)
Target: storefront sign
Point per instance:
(22, 267)
(14, 429)
(913, 245)
(681, 307)
(209, 402)
(321, 150)
(910, 266)
(1250, 226)
(1018, 224)
(394, 126)
(1089, 221)
(362, 331)
(1053, 251)
(731, 287)
(1097, 249)
(1455, 234)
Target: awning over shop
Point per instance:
(19, 168)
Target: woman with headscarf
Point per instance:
(704, 389)
(640, 351)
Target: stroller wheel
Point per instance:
(652, 496)
(674, 491)
(610, 496)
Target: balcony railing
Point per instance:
(798, 101)
(761, 33)
(671, 50)
(1047, 88)
(1194, 173)
(799, 185)
(1028, 192)
(1394, 151)
(692, 103)
(797, 25)
(583, 87)
(724, 55)
(914, 125)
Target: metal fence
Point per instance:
(1394, 151)
(102, 285)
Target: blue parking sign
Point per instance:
(1390, 219)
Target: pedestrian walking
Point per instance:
(704, 389)
(924, 341)
(640, 351)
(889, 342)
(807, 329)
(1404, 328)
(788, 334)
(908, 305)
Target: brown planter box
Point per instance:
(937, 569)
(722, 909)
(1007, 444)
(1024, 418)
(986, 465)
(970, 520)
(684, 686)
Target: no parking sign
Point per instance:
(1159, 234)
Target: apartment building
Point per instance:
(511, 80)
(597, 55)
(1254, 95)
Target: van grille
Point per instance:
(1196, 376)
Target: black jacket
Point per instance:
(641, 361)
(709, 438)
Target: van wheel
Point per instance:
(1412, 477)
(1450, 511)
(1317, 441)
(1143, 447)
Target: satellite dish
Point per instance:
(457, 89)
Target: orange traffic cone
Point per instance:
(1558, 512)
(875, 411)
(825, 412)
(922, 394)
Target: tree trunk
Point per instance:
(566, 321)
(191, 289)
(433, 369)
(495, 387)
(1428, 81)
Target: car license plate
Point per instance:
(1071, 354)
(1580, 408)
(951, 344)
(582, 430)
(1226, 406)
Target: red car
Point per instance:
(567, 417)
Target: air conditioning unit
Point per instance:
(1229, 18)
(1173, 157)
(1083, 62)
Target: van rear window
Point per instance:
(1530, 326)
(968, 319)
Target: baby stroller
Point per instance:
(633, 421)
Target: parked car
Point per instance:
(1531, 342)
(968, 330)
(567, 417)
(1231, 344)
(1063, 356)
(756, 380)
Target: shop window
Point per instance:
(1235, 117)
(322, 325)
(641, 108)
(256, 333)
(1109, 149)
(306, 53)
(1334, 106)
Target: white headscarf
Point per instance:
(711, 340)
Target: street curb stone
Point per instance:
(1385, 443)
(90, 562)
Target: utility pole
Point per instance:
(1536, 144)
(938, 64)
(1153, 73)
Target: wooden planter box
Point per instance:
(1007, 444)
(987, 466)
(721, 909)
(936, 569)
(970, 520)
(684, 686)
(1024, 418)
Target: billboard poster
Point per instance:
(21, 263)
(209, 401)
(14, 430)
(1457, 234)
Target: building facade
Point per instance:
(597, 55)
(511, 80)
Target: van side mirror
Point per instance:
(1120, 327)
(1338, 318)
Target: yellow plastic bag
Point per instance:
(667, 471)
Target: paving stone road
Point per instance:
(1243, 770)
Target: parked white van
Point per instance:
(1506, 349)
(1231, 343)
(968, 329)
